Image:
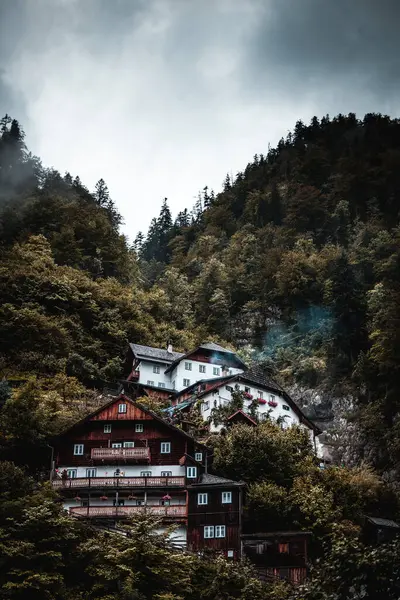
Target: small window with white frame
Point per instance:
(116, 445)
(272, 398)
(156, 369)
(260, 394)
(229, 388)
(165, 448)
(247, 390)
(226, 497)
(72, 473)
(285, 407)
(202, 499)
(161, 384)
(198, 456)
(186, 382)
(208, 532)
(230, 554)
(149, 382)
(107, 428)
(202, 368)
(91, 473)
(191, 472)
(145, 473)
(139, 427)
(78, 449)
(216, 370)
(220, 531)
(122, 407)
(205, 406)
(129, 444)
(166, 473)
(188, 366)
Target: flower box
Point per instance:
(261, 401)
(248, 396)
(272, 403)
(104, 498)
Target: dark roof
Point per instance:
(259, 377)
(383, 522)
(210, 346)
(273, 534)
(157, 354)
(146, 410)
(207, 479)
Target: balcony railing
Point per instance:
(119, 482)
(126, 511)
(139, 454)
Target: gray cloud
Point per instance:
(161, 97)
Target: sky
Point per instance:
(163, 97)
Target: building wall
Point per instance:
(194, 374)
(147, 374)
(128, 470)
(222, 396)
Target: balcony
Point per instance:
(177, 511)
(119, 482)
(126, 454)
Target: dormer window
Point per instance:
(122, 408)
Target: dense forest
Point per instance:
(295, 263)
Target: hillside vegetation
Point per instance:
(296, 263)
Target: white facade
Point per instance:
(186, 373)
(127, 470)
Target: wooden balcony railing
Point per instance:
(178, 511)
(134, 454)
(119, 482)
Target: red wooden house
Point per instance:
(123, 459)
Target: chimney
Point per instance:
(169, 347)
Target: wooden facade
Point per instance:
(278, 555)
(124, 460)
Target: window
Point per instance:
(285, 407)
(216, 371)
(91, 472)
(107, 428)
(220, 531)
(191, 472)
(119, 502)
(226, 497)
(161, 385)
(72, 473)
(230, 554)
(202, 368)
(229, 388)
(205, 406)
(186, 382)
(166, 473)
(202, 498)
(165, 447)
(116, 445)
(173, 384)
(283, 548)
(139, 427)
(272, 398)
(198, 456)
(208, 532)
(247, 390)
(122, 408)
(165, 502)
(145, 473)
(156, 369)
(129, 444)
(260, 394)
(188, 366)
(150, 382)
(78, 449)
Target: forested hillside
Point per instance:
(298, 257)
(296, 264)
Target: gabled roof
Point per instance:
(257, 376)
(206, 479)
(383, 522)
(156, 417)
(157, 354)
(210, 347)
(242, 414)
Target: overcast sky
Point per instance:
(163, 97)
